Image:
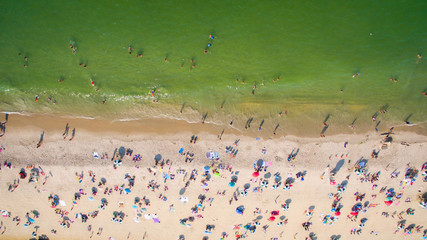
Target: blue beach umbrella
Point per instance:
(127, 190)
(232, 184)
(240, 209)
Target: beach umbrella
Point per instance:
(354, 213)
(337, 213)
(216, 174)
(240, 210)
(158, 157)
(272, 218)
(232, 184)
(275, 213)
(206, 168)
(255, 174)
(388, 203)
(122, 151)
(127, 190)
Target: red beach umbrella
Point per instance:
(354, 213)
(272, 218)
(337, 213)
(388, 203)
(255, 174)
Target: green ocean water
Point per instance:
(314, 47)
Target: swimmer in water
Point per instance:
(91, 82)
(356, 74)
(419, 57)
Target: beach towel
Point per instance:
(212, 155)
(156, 220)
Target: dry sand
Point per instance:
(63, 158)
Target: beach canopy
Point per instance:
(183, 199)
(255, 174)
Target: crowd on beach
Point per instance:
(161, 173)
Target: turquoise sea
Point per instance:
(305, 53)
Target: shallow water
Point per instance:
(314, 48)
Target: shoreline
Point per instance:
(168, 125)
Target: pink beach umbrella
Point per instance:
(255, 174)
(272, 218)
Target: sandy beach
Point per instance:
(191, 195)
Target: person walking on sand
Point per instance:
(65, 134)
(73, 133)
(41, 140)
